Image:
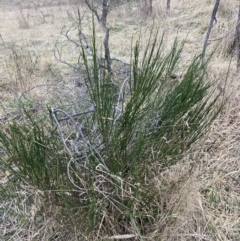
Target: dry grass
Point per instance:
(202, 192)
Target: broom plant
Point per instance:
(110, 150)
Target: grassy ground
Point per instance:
(202, 190)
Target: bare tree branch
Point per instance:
(104, 11)
(227, 33)
(93, 9)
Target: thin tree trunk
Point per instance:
(168, 4)
(107, 51)
(213, 18)
(105, 8)
(102, 20)
(150, 7)
(238, 39)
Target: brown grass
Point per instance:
(202, 191)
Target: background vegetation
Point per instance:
(92, 155)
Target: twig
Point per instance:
(120, 60)
(70, 177)
(226, 34)
(78, 114)
(79, 129)
(59, 57)
(67, 34)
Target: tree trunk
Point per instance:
(102, 20)
(213, 18)
(107, 51)
(105, 9)
(150, 7)
(238, 39)
(145, 7)
(168, 4)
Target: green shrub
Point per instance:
(32, 147)
(113, 147)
